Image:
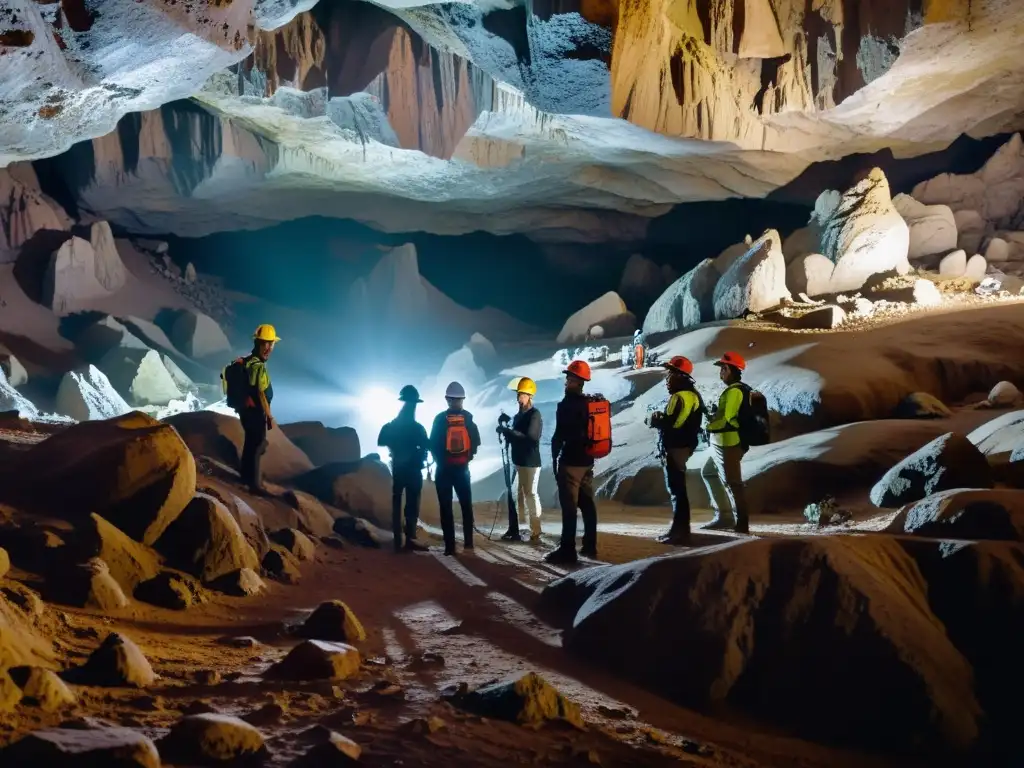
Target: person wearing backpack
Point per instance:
(247, 386)
(572, 455)
(722, 473)
(678, 428)
(454, 441)
(406, 439)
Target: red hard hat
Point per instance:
(580, 369)
(679, 363)
(734, 359)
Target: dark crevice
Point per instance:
(129, 129)
(435, 71)
(195, 139)
(739, 21)
(510, 26)
(769, 77)
(677, 68)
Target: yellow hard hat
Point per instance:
(524, 385)
(265, 333)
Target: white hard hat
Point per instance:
(455, 391)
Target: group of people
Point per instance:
(454, 441)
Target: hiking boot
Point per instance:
(561, 557)
(535, 538)
(449, 551)
(511, 536)
(590, 552)
(411, 545)
(743, 527)
(679, 540)
(468, 546)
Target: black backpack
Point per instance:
(235, 384)
(755, 427)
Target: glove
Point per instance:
(270, 423)
(504, 431)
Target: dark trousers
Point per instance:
(407, 480)
(454, 479)
(675, 479)
(254, 427)
(576, 491)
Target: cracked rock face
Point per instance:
(564, 119)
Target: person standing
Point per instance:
(454, 441)
(574, 468)
(678, 427)
(722, 473)
(406, 439)
(524, 438)
(254, 406)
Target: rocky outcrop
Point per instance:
(88, 395)
(881, 631)
(117, 662)
(965, 514)
(334, 621)
(220, 437)
(689, 301)
(198, 335)
(932, 227)
(362, 489)
(324, 445)
(140, 376)
(211, 739)
(93, 744)
(72, 279)
(600, 311)
(133, 471)
(317, 660)
(206, 541)
(754, 282)
(529, 700)
(865, 234)
(25, 210)
(950, 461)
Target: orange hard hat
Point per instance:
(679, 363)
(734, 359)
(579, 368)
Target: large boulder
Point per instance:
(14, 372)
(689, 301)
(128, 561)
(206, 541)
(529, 700)
(97, 339)
(732, 254)
(198, 335)
(88, 395)
(110, 270)
(140, 376)
(362, 489)
(220, 437)
(317, 660)
(21, 642)
(95, 744)
(810, 274)
(88, 585)
(324, 445)
(970, 227)
(12, 400)
(210, 738)
(71, 283)
(932, 227)
(333, 621)
(865, 234)
(949, 461)
(743, 624)
(116, 663)
(965, 514)
(133, 471)
(756, 281)
(598, 312)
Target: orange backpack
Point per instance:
(456, 440)
(599, 427)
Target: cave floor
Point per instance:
(476, 611)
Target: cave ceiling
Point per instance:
(562, 119)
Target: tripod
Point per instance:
(510, 473)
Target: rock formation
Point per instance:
(865, 234)
(528, 101)
(88, 395)
(605, 311)
(753, 282)
(24, 210)
(686, 303)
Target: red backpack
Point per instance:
(456, 439)
(599, 427)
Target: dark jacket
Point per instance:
(525, 438)
(569, 443)
(438, 436)
(406, 439)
